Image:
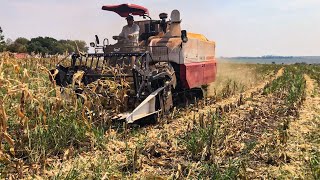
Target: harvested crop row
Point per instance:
(253, 138)
(147, 151)
(303, 139)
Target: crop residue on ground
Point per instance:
(260, 121)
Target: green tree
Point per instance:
(20, 45)
(2, 42)
(64, 46)
(82, 45)
(35, 46)
(46, 45)
(9, 41)
(67, 46)
(22, 41)
(71, 46)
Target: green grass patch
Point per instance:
(215, 172)
(290, 86)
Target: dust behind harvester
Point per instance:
(166, 63)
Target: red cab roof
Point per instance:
(125, 9)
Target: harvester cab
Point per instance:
(166, 62)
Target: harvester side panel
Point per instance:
(209, 72)
(197, 49)
(196, 74)
(190, 51)
(195, 58)
(199, 65)
(167, 49)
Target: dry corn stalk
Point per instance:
(77, 78)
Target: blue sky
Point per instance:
(239, 27)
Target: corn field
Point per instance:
(244, 129)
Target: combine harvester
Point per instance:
(166, 64)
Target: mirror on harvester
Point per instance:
(184, 36)
(92, 44)
(97, 39)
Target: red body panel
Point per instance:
(197, 74)
(125, 9)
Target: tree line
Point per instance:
(41, 45)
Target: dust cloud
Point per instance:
(238, 76)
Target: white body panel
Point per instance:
(193, 51)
